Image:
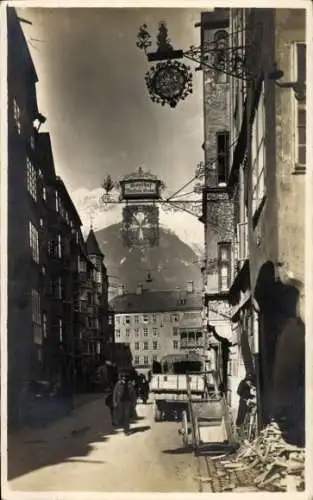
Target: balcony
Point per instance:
(191, 344)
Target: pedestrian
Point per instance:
(244, 391)
(123, 397)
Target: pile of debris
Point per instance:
(276, 465)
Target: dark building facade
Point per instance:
(58, 317)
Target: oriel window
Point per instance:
(222, 144)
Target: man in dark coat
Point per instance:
(244, 392)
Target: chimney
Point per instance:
(121, 290)
(139, 289)
(190, 288)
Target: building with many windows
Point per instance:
(156, 323)
(267, 186)
(58, 316)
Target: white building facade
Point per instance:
(155, 324)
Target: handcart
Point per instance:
(201, 415)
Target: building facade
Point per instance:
(158, 323)
(267, 185)
(217, 208)
(46, 322)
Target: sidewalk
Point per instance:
(89, 419)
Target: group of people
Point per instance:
(122, 400)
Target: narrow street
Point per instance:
(84, 453)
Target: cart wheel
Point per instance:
(184, 432)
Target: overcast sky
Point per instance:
(92, 90)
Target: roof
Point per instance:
(93, 245)
(158, 301)
(17, 44)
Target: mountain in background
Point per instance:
(92, 210)
(171, 264)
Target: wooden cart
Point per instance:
(200, 415)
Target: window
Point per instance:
(136, 346)
(57, 202)
(136, 319)
(45, 325)
(154, 358)
(175, 331)
(32, 141)
(258, 155)
(155, 331)
(136, 360)
(175, 344)
(61, 332)
(17, 116)
(36, 314)
(127, 320)
(117, 333)
(300, 66)
(34, 242)
(136, 332)
(145, 332)
(59, 288)
(36, 317)
(154, 317)
(44, 193)
(127, 332)
(224, 264)
(146, 360)
(31, 179)
(222, 144)
(117, 319)
(145, 318)
(174, 318)
(146, 346)
(41, 223)
(154, 346)
(59, 246)
(110, 320)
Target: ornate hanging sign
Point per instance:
(169, 82)
(140, 225)
(140, 186)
